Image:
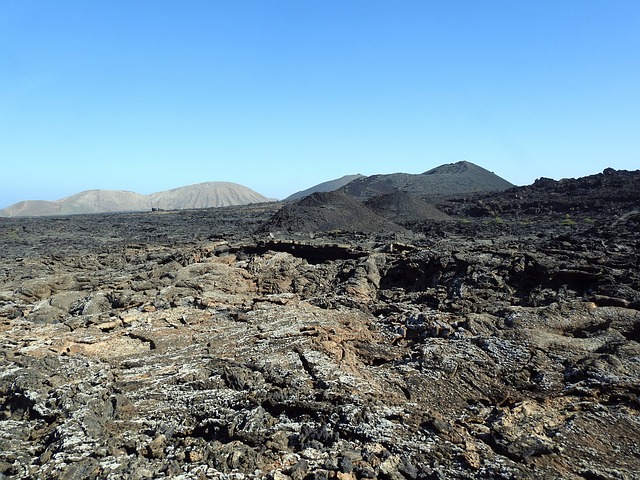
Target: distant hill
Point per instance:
(32, 208)
(89, 201)
(328, 211)
(329, 186)
(445, 181)
(461, 178)
(100, 201)
(201, 195)
(205, 195)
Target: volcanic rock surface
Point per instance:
(613, 191)
(183, 345)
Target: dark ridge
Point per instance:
(326, 212)
(616, 191)
(329, 186)
(446, 181)
(401, 207)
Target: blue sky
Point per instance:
(280, 95)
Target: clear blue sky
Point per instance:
(281, 95)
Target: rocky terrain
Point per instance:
(501, 340)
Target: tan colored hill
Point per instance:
(205, 195)
(201, 195)
(31, 208)
(103, 201)
(89, 201)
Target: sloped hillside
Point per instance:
(201, 195)
(329, 186)
(401, 207)
(329, 211)
(31, 208)
(205, 195)
(100, 201)
(461, 178)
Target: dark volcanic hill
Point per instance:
(461, 178)
(329, 186)
(329, 211)
(401, 207)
